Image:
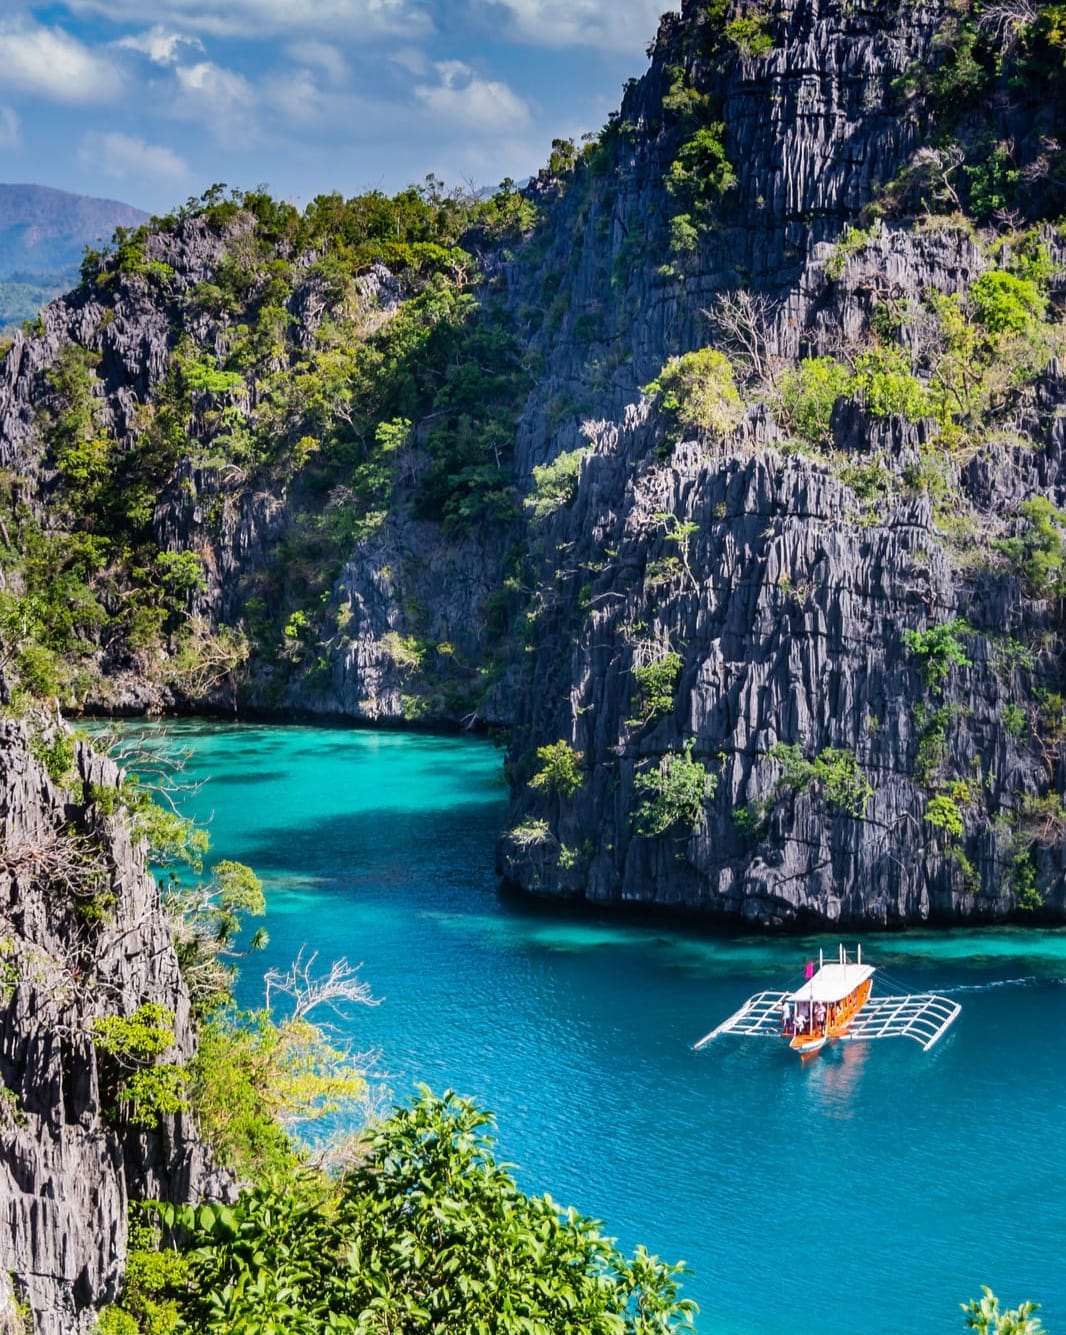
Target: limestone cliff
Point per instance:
(782, 579)
(451, 480)
(82, 937)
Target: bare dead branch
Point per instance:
(339, 986)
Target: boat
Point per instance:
(835, 1003)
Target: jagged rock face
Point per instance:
(67, 1172)
(787, 607)
(811, 132)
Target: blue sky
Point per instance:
(150, 101)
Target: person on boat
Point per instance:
(819, 1015)
(786, 1017)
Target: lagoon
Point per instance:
(874, 1187)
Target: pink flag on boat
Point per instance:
(808, 972)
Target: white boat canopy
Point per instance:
(832, 982)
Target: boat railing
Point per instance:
(923, 1016)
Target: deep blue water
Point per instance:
(871, 1189)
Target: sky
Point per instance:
(151, 101)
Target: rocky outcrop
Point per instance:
(786, 604)
(82, 936)
(788, 594)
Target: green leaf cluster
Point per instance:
(699, 391)
(560, 769)
(985, 1315)
(809, 393)
(943, 812)
(656, 684)
(555, 483)
(133, 1082)
(938, 649)
(429, 1232)
(1038, 552)
(833, 771)
(672, 794)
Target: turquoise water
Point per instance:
(873, 1188)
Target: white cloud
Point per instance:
(411, 59)
(464, 98)
(617, 25)
(161, 45)
(323, 57)
(10, 128)
(49, 63)
(295, 94)
(220, 99)
(122, 156)
(259, 18)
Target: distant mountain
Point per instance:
(43, 233)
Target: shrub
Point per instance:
(1027, 894)
(555, 483)
(1038, 553)
(701, 173)
(1004, 302)
(809, 394)
(673, 793)
(560, 771)
(429, 1232)
(656, 685)
(699, 390)
(938, 650)
(836, 772)
(943, 812)
(889, 389)
(128, 1047)
(750, 35)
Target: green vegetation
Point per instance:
(851, 243)
(943, 812)
(555, 483)
(833, 772)
(1038, 553)
(560, 770)
(427, 1232)
(808, 395)
(405, 397)
(673, 793)
(931, 754)
(656, 687)
(938, 650)
(958, 361)
(132, 1081)
(985, 1315)
(699, 391)
(750, 34)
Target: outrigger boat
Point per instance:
(834, 1003)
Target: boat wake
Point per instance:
(1030, 981)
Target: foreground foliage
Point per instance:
(429, 1232)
